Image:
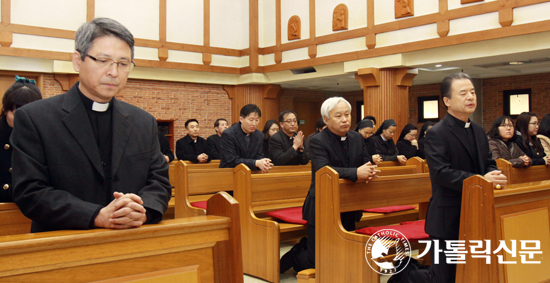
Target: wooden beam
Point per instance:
(506, 17)
(443, 6)
(253, 34)
(278, 35)
(90, 10)
(312, 31)
(312, 51)
(370, 14)
(206, 32)
(370, 40)
(443, 28)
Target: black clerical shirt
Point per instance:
(468, 132)
(189, 149)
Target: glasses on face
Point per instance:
(123, 66)
(534, 123)
(511, 126)
(291, 121)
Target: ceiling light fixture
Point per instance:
(438, 65)
(516, 63)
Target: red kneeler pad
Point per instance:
(199, 204)
(389, 209)
(290, 215)
(414, 230)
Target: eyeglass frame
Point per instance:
(109, 65)
(535, 123)
(291, 121)
(511, 126)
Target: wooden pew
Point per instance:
(339, 254)
(12, 221)
(198, 184)
(195, 249)
(518, 212)
(259, 193)
(523, 175)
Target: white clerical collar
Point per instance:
(343, 138)
(384, 139)
(467, 125)
(100, 107)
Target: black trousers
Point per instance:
(306, 259)
(437, 273)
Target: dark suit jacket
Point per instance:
(281, 151)
(165, 147)
(325, 149)
(406, 148)
(6, 186)
(387, 150)
(185, 150)
(214, 146)
(451, 161)
(234, 150)
(57, 171)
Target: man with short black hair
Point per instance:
(243, 143)
(84, 159)
(286, 147)
(215, 141)
(192, 147)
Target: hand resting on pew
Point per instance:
(367, 171)
(124, 212)
(264, 164)
(497, 178)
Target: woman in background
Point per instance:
(544, 134)
(421, 138)
(366, 129)
(407, 143)
(382, 143)
(502, 136)
(528, 124)
(271, 127)
(23, 91)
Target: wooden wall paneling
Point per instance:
(253, 35)
(505, 17)
(6, 12)
(265, 96)
(90, 10)
(278, 21)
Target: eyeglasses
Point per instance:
(507, 126)
(534, 123)
(123, 66)
(291, 121)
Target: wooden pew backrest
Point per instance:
(12, 221)
(523, 175)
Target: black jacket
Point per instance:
(214, 146)
(421, 151)
(451, 160)
(281, 151)
(326, 149)
(386, 149)
(235, 151)
(58, 176)
(531, 151)
(165, 147)
(188, 149)
(405, 147)
(5, 162)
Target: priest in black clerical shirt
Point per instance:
(286, 147)
(84, 159)
(215, 141)
(192, 147)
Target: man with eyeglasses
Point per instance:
(84, 159)
(286, 147)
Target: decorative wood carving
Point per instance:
(294, 28)
(404, 8)
(163, 54)
(368, 77)
(443, 28)
(206, 58)
(340, 17)
(370, 40)
(469, 1)
(312, 51)
(505, 17)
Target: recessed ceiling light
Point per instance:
(516, 62)
(438, 65)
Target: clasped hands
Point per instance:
(367, 171)
(497, 178)
(124, 212)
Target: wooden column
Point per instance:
(386, 94)
(265, 96)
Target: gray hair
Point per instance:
(99, 27)
(330, 103)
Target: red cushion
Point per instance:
(417, 222)
(388, 209)
(290, 215)
(411, 232)
(199, 204)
